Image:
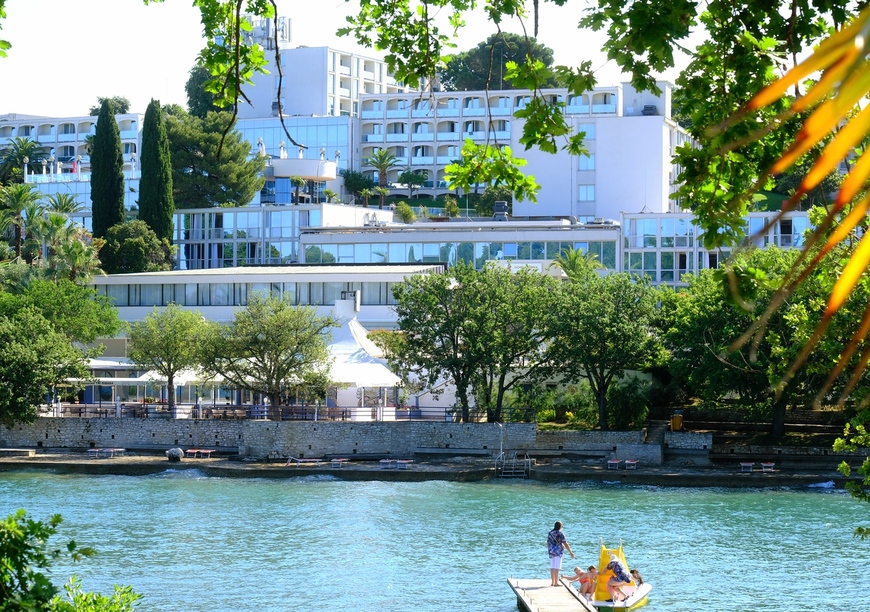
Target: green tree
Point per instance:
(156, 205)
(356, 183)
(298, 183)
(483, 67)
(708, 322)
(413, 179)
(74, 310)
(405, 212)
(12, 158)
(577, 264)
(200, 102)
(64, 203)
(451, 207)
(107, 174)
(24, 560)
(472, 328)
(382, 160)
(168, 342)
(435, 319)
(485, 204)
(201, 178)
(78, 260)
(35, 358)
(134, 247)
(511, 335)
(270, 347)
(604, 329)
(14, 201)
(118, 105)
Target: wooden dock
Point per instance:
(538, 596)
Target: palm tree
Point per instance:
(329, 194)
(383, 192)
(63, 203)
(12, 158)
(577, 264)
(54, 232)
(14, 200)
(298, 182)
(34, 220)
(79, 261)
(382, 160)
(365, 194)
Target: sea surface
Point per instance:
(193, 543)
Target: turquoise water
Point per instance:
(198, 544)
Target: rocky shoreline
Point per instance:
(451, 469)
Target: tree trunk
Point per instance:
(777, 429)
(602, 409)
(462, 395)
(170, 395)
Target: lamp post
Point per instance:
(51, 167)
(340, 186)
(26, 160)
(78, 167)
(132, 164)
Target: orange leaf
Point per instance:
(850, 275)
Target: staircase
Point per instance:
(655, 432)
(509, 465)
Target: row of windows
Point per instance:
(250, 224)
(477, 253)
(238, 294)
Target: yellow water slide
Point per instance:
(605, 574)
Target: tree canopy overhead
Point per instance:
(484, 66)
(200, 177)
(118, 105)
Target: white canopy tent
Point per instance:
(357, 361)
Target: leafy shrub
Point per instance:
(628, 403)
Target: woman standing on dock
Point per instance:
(556, 545)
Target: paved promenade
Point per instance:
(455, 469)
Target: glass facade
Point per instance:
(238, 293)
(477, 253)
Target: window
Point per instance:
(586, 193)
(587, 162)
(589, 129)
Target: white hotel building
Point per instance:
(615, 202)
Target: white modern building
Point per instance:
(314, 81)
(614, 202)
(629, 136)
(65, 167)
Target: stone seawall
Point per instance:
(67, 433)
(261, 439)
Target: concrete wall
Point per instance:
(261, 439)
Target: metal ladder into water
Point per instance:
(509, 465)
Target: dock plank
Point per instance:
(536, 595)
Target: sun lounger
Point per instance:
(631, 464)
(403, 464)
(613, 464)
(337, 463)
(302, 462)
(388, 463)
(93, 453)
(746, 466)
(767, 466)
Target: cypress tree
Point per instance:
(156, 203)
(107, 174)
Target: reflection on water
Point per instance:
(193, 543)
